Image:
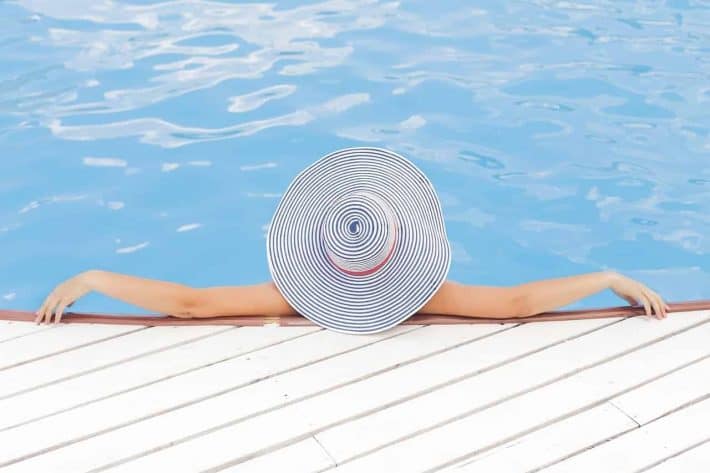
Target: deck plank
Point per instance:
(663, 395)
(259, 438)
(306, 455)
(99, 355)
(212, 381)
(321, 370)
(291, 423)
(639, 406)
(143, 371)
(402, 420)
(467, 436)
(694, 460)
(57, 339)
(651, 443)
(10, 330)
(550, 444)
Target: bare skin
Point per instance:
(452, 298)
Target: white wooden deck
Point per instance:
(613, 395)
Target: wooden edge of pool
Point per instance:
(294, 320)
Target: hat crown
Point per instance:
(358, 233)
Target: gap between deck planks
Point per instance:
(548, 325)
(482, 429)
(137, 373)
(535, 336)
(58, 339)
(369, 429)
(82, 360)
(12, 330)
(238, 372)
(641, 448)
(693, 459)
(578, 433)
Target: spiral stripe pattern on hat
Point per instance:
(359, 233)
(358, 243)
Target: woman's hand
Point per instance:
(63, 296)
(634, 292)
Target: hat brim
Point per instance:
(357, 304)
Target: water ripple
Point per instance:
(563, 136)
(169, 135)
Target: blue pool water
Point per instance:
(156, 138)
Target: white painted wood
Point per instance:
(10, 330)
(667, 393)
(304, 456)
(359, 436)
(644, 446)
(91, 357)
(143, 371)
(552, 443)
(644, 404)
(57, 339)
(695, 460)
(307, 426)
(273, 428)
(161, 397)
(484, 429)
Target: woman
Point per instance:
(358, 244)
(452, 298)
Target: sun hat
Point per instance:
(358, 243)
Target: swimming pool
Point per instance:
(156, 138)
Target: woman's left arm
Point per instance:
(535, 297)
(166, 297)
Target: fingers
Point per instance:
(40, 311)
(47, 316)
(46, 309)
(654, 301)
(60, 310)
(662, 306)
(63, 296)
(663, 303)
(52, 305)
(634, 293)
(646, 306)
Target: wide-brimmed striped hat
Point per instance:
(358, 243)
